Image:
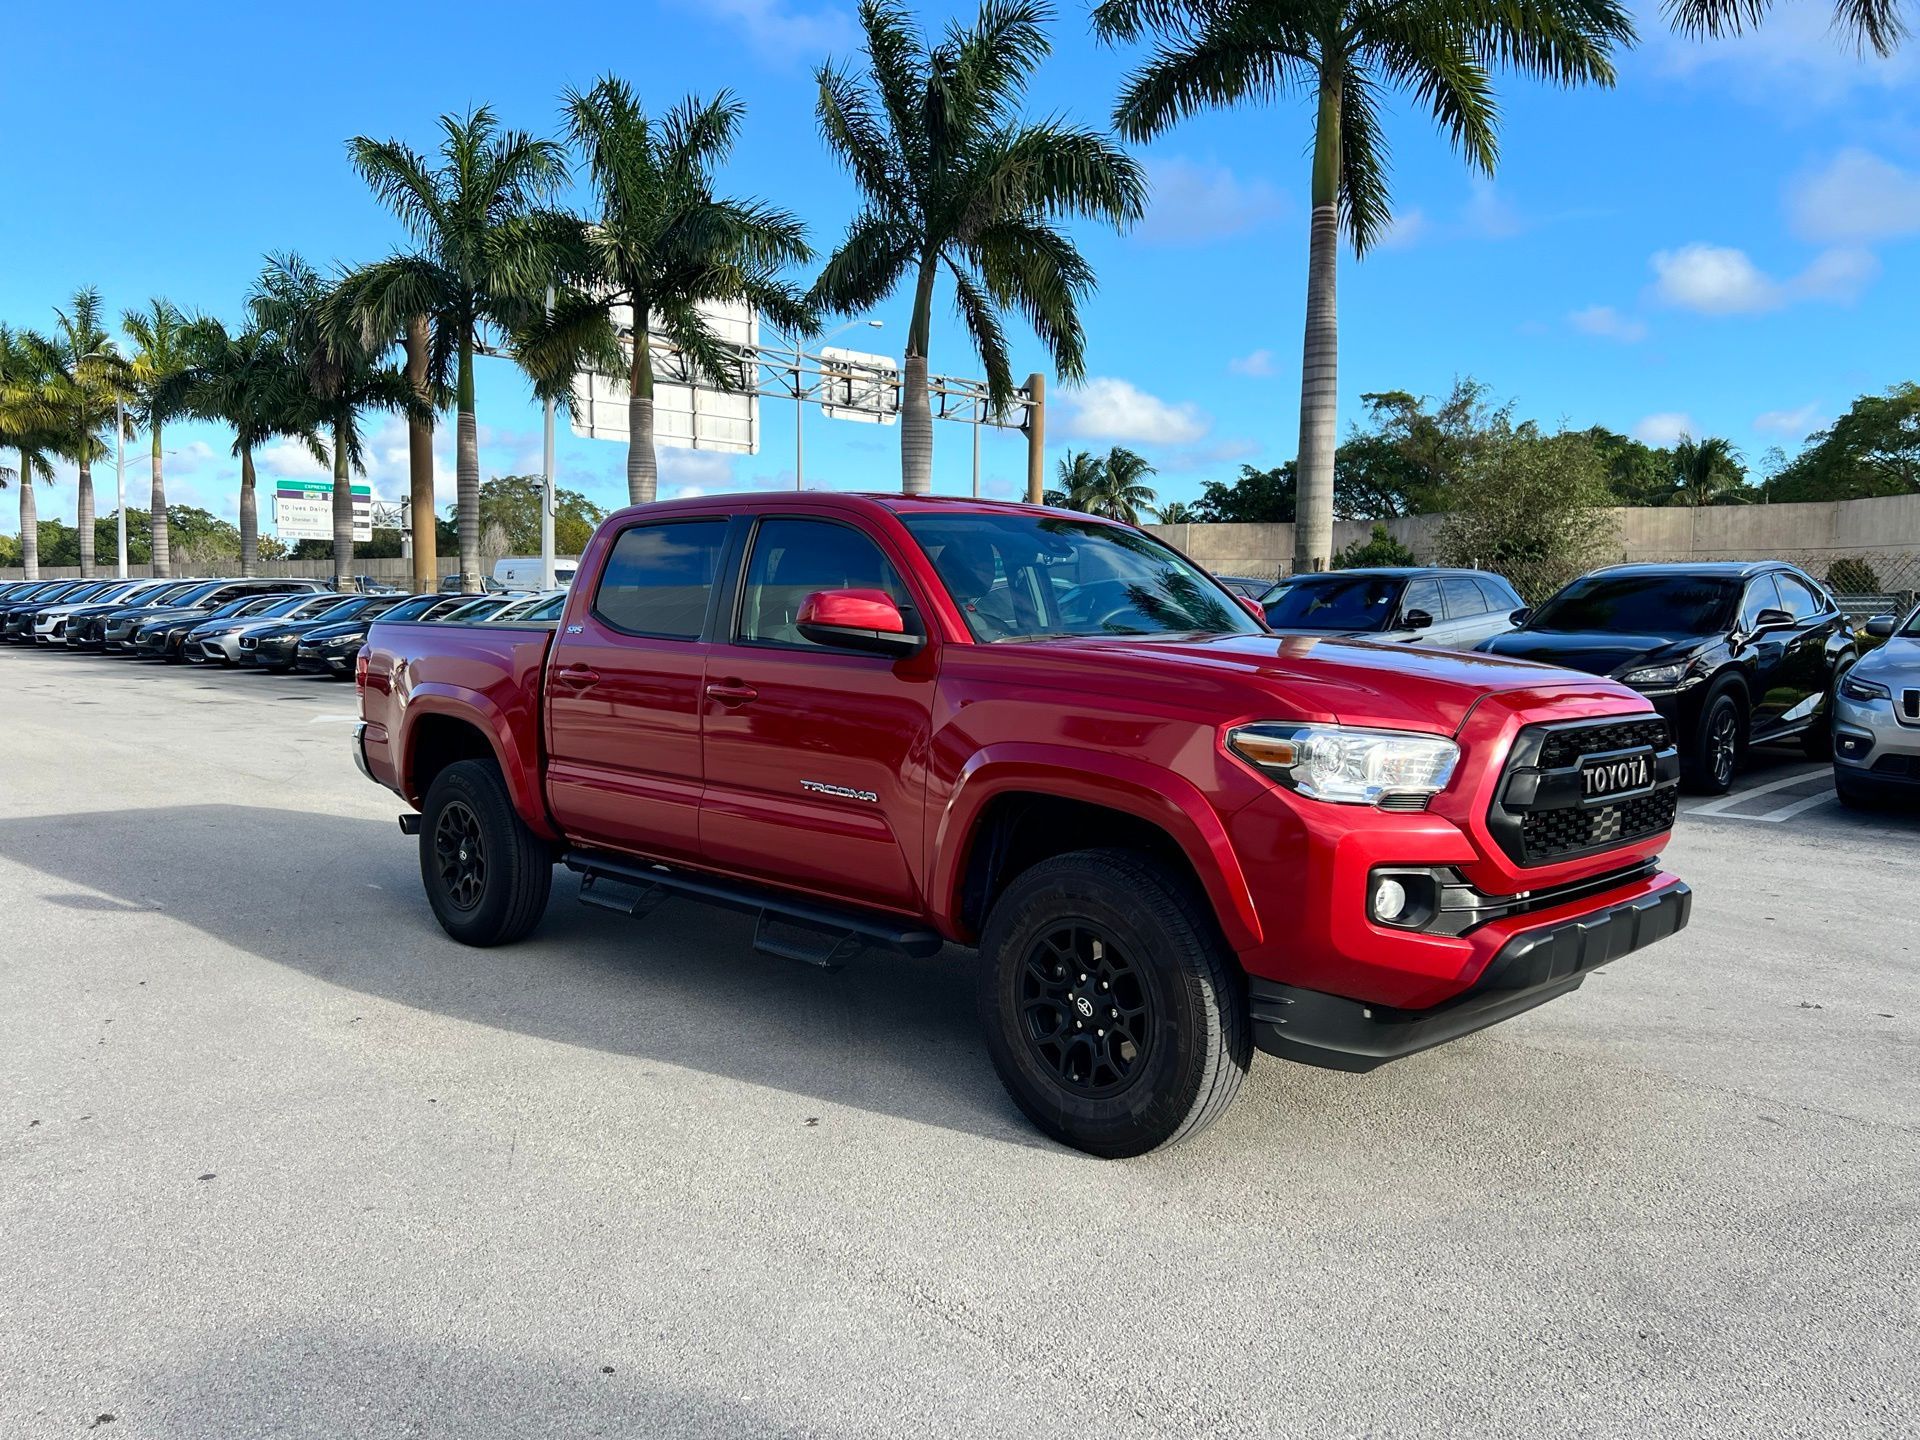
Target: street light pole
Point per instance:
(120, 475)
(549, 497)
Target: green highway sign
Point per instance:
(306, 489)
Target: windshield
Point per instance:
(1352, 602)
(1020, 577)
(413, 608)
(314, 605)
(1666, 605)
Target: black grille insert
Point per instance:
(1541, 812)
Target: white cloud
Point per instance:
(694, 472)
(1856, 196)
(1192, 201)
(1720, 280)
(1795, 51)
(1257, 365)
(289, 458)
(1489, 214)
(1664, 428)
(783, 34)
(1795, 424)
(1609, 324)
(1105, 408)
(1407, 228)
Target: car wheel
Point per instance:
(1719, 740)
(486, 874)
(1114, 1014)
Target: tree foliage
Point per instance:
(1873, 449)
(1530, 506)
(1379, 548)
(1113, 485)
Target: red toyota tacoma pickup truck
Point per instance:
(893, 723)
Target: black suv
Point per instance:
(1732, 653)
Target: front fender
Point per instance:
(504, 729)
(1149, 792)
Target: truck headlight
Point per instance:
(1346, 765)
(1864, 691)
(1654, 676)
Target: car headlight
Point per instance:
(1654, 676)
(1345, 765)
(1864, 691)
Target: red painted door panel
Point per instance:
(625, 695)
(815, 757)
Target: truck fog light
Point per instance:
(1389, 900)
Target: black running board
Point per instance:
(785, 926)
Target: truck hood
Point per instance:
(1355, 682)
(1597, 654)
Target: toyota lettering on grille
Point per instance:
(1601, 778)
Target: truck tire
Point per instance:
(1719, 740)
(486, 874)
(1114, 1013)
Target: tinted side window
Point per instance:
(658, 578)
(1801, 602)
(793, 558)
(1423, 595)
(1499, 595)
(1463, 598)
(1761, 595)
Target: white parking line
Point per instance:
(1727, 802)
(347, 719)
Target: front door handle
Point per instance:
(731, 692)
(579, 677)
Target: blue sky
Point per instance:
(1723, 243)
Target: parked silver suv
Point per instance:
(1876, 717)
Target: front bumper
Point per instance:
(1531, 968)
(1873, 744)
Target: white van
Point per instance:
(519, 573)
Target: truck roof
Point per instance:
(890, 501)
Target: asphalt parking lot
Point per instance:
(281, 1159)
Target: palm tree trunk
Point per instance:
(643, 465)
(29, 519)
(342, 509)
(426, 548)
(916, 414)
(157, 510)
(249, 515)
(466, 468)
(84, 519)
(1319, 366)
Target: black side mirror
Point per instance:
(1521, 616)
(1416, 620)
(1880, 627)
(1772, 620)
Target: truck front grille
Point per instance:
(1541, 813)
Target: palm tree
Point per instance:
(954, 178)
(26, 429)
(1176, 512)
(83, 374)
(1877, 24)
(247, 382)
(1076, 475)
(1704, 470)
(162, 341)
(661, 246)
(1116, 487)
(341, 376)
(1347, 53)
(483, 265)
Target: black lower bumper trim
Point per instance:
(1532, 968)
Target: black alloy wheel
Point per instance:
(1723, 744)
(1085, 1010)
(460, 850)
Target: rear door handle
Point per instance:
(578, 676)
(731, 693)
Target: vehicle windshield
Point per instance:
(1666, 605)
(1334, 602)
(1912, 627)
(413, 607)
(1023, 576)
(314, 605)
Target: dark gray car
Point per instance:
(1450, 609)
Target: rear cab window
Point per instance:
(658, 579)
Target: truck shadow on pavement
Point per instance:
(339, 899)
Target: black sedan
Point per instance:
(87, 626)
(16, 611)
(330, 649)
(192, 606)
(1731, 653)
(274, 647)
